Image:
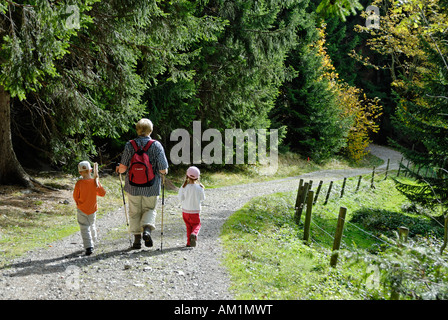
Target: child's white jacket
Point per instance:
(191, 197)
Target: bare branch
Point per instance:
(442, 97)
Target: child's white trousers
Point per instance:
(87, 227)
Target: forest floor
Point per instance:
(60, 270)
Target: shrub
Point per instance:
(416, 271)
(388, 221)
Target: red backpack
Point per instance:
(141, 173)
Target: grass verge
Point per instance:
(267, 258)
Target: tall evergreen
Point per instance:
(239, 75)
(422, 115)
(307, 105)
(33, 37)
(341, 41)
(425, 123)
(75, 85)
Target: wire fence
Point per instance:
(307, 197)
(309, 194)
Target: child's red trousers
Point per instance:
(193, 224)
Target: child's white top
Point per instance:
(191, 197)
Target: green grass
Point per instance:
(267, 258)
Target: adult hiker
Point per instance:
(143, 189)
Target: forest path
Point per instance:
(61, 271)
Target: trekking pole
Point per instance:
(125, 211)
(163, 204)
(95, 174)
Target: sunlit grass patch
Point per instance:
(267, 258)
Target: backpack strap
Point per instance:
(134, 145)
(148, 145)
(145, 149)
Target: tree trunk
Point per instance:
(11, 172)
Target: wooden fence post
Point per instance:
(343, 187)
(328, 192)
(338, 236)
(372, 185)
(407, 167)
(318, 191)
(359, 183)
(309, 209)
(299, 195)
(387, 168)
(301, 204)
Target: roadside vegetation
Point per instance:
(268, 259)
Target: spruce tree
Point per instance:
(77, 84)
(307, 105)
(422, 116)
(238, 76)
(425, 123)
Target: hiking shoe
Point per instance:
(193, 239)
(147, 237)
(89, 251)
(137, 244)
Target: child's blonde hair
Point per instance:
(144, 127)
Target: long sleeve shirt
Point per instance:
(191, 196)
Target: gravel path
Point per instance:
(61, 271)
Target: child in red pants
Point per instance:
(191, 194)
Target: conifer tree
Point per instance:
(85, 81)
(425, 122)
(422, 114)
(308, 105)
(239, 75)
(33, 35)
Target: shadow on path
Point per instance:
(79, 259)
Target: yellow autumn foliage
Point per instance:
(403, 26)
(354, 103)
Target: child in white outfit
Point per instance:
(191, 194)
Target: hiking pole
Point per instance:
(95, 174)
(125, 211)
(163, 204)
